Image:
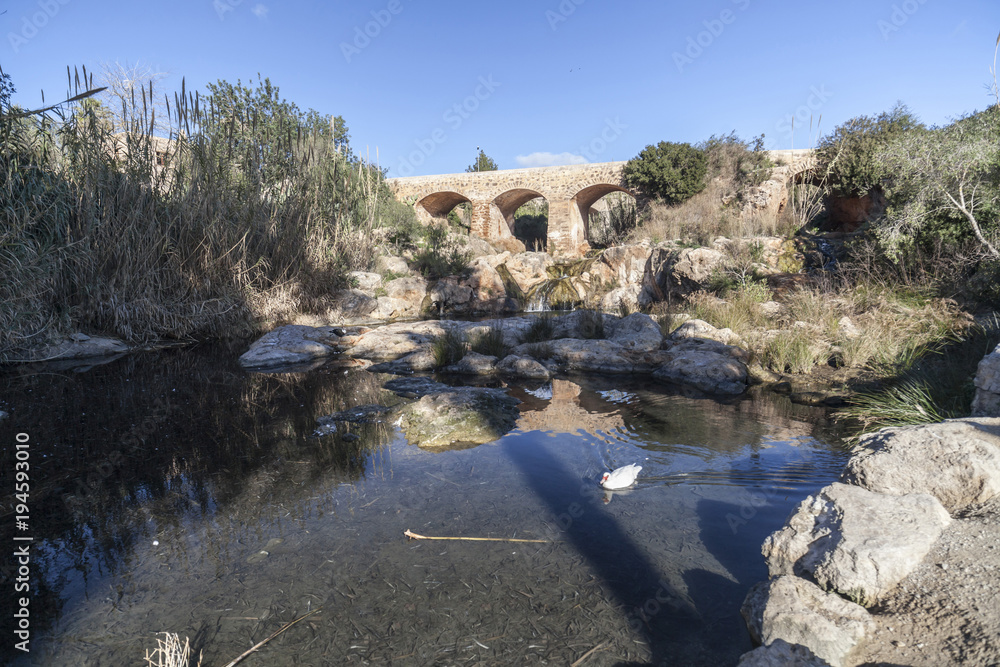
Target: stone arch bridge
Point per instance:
(571, 191)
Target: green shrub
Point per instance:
(669, 171)
(848, 157)
(442, 257)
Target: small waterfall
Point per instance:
(553, 294)
(556, 293)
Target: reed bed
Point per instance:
(233, 220)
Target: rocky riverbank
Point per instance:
(894, 564)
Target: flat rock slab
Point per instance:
(466, 415)
(393, 341)
(599, 356)
(81, 346)
(416, 387)
(856, 542)
(781, 654)
(957, 461)
(292, 344)
(797, 611)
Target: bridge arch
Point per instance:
(590, 195)
(438, 205)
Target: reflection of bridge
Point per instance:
(495, 195)
(564, 414)
(570, 190)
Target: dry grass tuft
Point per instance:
(170, 652)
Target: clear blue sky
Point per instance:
(535, 83)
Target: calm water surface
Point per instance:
(173, 491)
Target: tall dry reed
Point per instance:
(212, 231)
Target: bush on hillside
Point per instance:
(943, 185)
(847, 158)
(741, 165)
(673, 172)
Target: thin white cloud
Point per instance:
(260, 10)
(543, 159)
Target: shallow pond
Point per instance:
(173, 491)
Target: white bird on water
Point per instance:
(621, 478)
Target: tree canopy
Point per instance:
(483, 163)
(673, 172)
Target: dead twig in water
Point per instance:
(587, 655)
(283, 628)
(414, 536)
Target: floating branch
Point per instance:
(413, 536)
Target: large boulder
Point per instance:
(856, 542)
(702, 329)
(671, 271)
(466, 415)
(523, 367)
(619, 297)
(473, 363)
(292, 344)
(392, 264)
(987, 400)
(797, 611)
(638, 332)
(957, 461)
(448, 296)
(366, 282)
(529, 269)
(781, 654)
(353, 305)
(627, 263)
(705, 364)
(403, 298)
(486, 285)
(586, 324)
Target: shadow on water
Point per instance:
(146, 442)
(658, 613)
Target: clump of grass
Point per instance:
(908, 403)
(449, 348)
(739, 312)
(490, 342)
(540, 351)
(591, 325)
(791, 352)
(541, 329)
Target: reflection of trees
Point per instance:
(163, 437)
(564, 414)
